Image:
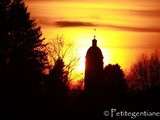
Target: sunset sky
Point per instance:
(124, 28)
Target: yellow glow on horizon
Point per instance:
(81, 63)
(119, 43)
(84, 41)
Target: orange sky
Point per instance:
(125, 28)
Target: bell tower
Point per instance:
(93, 67)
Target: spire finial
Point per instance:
(94, 41)
(94, 33)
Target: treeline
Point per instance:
(145, 74)
(24, 57)
(144, 78)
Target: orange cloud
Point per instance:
(134, 29)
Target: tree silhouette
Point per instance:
(4, 46)
(57, 50)
(144, 79)
(114, 81)
(145, 73)
(58, 79)
(23, 55)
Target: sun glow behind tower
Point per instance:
(125, 29)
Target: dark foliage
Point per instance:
(114, 83)
(23, 87)
(58, 77)
(145, 73)
(22, 58)
(144, 79)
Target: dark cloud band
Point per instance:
(73, 24)
(116, 27)
(66, 23)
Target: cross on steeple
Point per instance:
(94, 41)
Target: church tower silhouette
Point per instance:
(93, 67)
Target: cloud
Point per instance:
(70, 23)
(116, 27)
(134, 29)
(74, 24)
(148, 13)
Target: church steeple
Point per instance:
(93, 67)
(94, 42)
